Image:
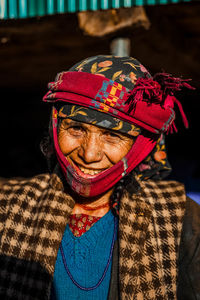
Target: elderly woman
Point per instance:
(103, 224)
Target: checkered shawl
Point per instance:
(149, 240)
(33, 216)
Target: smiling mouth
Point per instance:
(86, 172)
(89, 171)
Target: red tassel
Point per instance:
(159, 90)
(170, 101)
(184, 118)
(145, 89)
(172, 128)
(170, 84)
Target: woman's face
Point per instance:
(90, 149)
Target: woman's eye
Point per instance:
(111, 135)
(76, 130)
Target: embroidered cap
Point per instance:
(121, 87)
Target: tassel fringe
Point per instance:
(159, 90)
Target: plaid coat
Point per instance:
(33, 216)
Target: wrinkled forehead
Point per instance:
(97, 118)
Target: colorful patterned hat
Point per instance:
(122, 88)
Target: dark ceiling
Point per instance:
(32, 51)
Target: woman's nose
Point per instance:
(91, 149)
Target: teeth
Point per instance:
(88, 171)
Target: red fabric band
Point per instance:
(102, 94)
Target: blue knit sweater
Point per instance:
(86, 258)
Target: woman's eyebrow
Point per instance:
(72, 122)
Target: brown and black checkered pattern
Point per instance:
(33, 216)
(149, 241)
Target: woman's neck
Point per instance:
(97, 206)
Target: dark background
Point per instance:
(33, 50)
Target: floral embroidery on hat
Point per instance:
(105, 63)
(98, 118)
(132, 77)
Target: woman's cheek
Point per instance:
(67, 144)
(116, 152)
